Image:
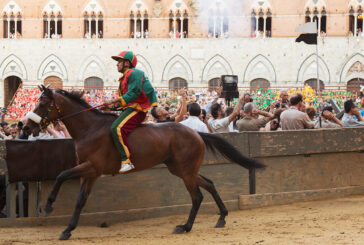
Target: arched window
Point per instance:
(214, 83)
(178, 20)
(93, 20)
(139, 25)
(354, 85)
(356, 20)
(139, 20)
(11, 85)
(94, 83)
(259, 83)
(12, 20)
(52, 26)
(316, 12)
(218, 20)
(177, 83)
(313, 84)
(261, 19)
(52, 20)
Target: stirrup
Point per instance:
(126, 167)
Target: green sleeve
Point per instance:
(134, 88)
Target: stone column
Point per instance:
(222, 26)
(89, 27)
(142, 28)
(214, 26)
(15, 28)
(56, 27)
(265, 26)
(256, 26)
(319, 25)
(311, 17)
(49, 27)
(9, 28)
(135, 27)
(174, 26)
(181, 32)
(355, 24)
(97, 27)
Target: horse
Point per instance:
(180, 148)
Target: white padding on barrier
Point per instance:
(34, 117)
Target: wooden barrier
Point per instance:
(296, 161)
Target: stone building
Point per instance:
(179, 42)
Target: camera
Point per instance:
(277, 105)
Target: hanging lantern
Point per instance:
(360, 17)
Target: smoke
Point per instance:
(234, 10)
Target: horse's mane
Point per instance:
(77, 97)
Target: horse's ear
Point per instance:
(40, 88)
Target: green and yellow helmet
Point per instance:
(127, 55)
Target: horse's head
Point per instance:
(45, 112)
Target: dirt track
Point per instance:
(338, 221)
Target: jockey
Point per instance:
(136, 97)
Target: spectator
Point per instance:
(87, 35)
(5, 127)
(178, 34)
(352, 110)
(283, 95)
(247, 99)
(294, 118)
(132, 35)
(184, 34)
(59, 131)
(193, 120)
(146, 34)
(328, 119)
(171, 34)
(251, 122)
(100, 34)
(311, 113)
(219, 123)
(162, 115)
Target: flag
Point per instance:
(310, 33)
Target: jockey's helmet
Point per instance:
(127, 55)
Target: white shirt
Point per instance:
(219, 125)
(196, 124)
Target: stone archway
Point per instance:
(259, 83)
(313, 84)
(92, 83)
(11, 85)
(54, 82)
(354, 85)
(177, 83)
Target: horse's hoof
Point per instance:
(180, 229)
(48, 210)
(220, 223)
(64, 236)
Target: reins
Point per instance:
(79, 112)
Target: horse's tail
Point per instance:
(215, 142)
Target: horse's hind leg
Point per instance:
(196, 197)
(84, 169)
(86, 187)
(208, 185)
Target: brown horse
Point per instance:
(173, 144)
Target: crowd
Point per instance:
(260, 110)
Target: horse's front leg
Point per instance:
(86, 187)
(85, 169)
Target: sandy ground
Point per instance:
(339, 221)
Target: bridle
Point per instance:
(44, 120)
